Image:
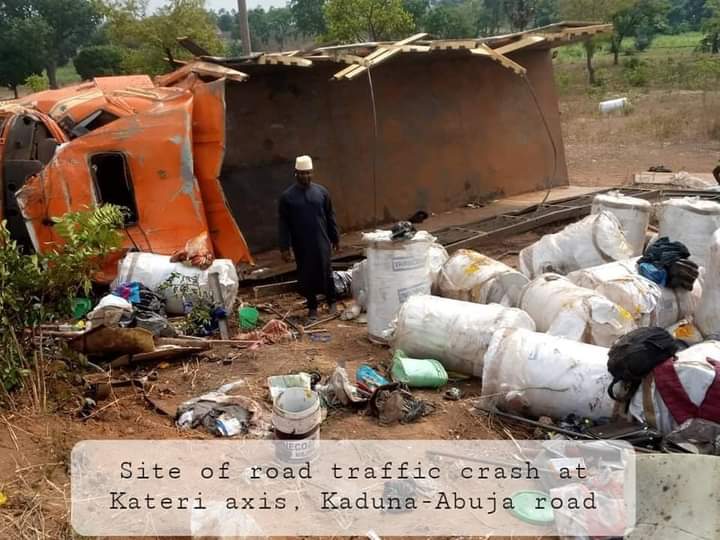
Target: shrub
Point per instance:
(99, 61)
(37, 83)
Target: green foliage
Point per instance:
(259, 28)
(454, 20)
(99, 61)
(281, 25)
(309, 17)
(197, 300)
(40, 288)
(148, 40)
(37, 83)
(711, 28)
(635, 72)
(362, 20)
(21, 47)
(520, 13)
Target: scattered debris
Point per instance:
(452, 394)
(368, 379)
(394, 403)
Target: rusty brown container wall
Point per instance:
(451, 129)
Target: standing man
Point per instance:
(307, 223)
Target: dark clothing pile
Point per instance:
(307, 223)
(148, 308)
(635, 355)
(667, 264)
(402, 230)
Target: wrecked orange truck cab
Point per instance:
(154, 150)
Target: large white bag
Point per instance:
(691, 221)
(561, 308)
(359, 284)
(396, 270)
(453, 332)
(696, 376)
(437, 257)
(707, 314)
(473, 277)
(592, 241)
(632, 213)
(155, 270)
(540, 375)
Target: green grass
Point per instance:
(67, 75)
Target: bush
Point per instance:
(40, 288)
(37, 83)
(99, 61)
(635, 72)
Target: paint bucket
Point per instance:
(613, 105)
(296, 419)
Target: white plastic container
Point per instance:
(473, 277)
(595, 240)
(561, 308)
(396, 271)
(540, 375)
(707, 314)
(691, 221)
(632, 213)
(154, 270)
(696, 376)
(453, 332)
(613, 105)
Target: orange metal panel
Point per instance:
(209, 151)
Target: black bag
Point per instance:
(636, 354)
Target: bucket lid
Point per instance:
(526, 507)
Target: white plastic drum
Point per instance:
(595, 240)
(473, 277)
(396, 271)
(540, 375)
(691, 221)
(632, 213)
(453, 332)
(561, 308)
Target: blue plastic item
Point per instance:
(369, 378)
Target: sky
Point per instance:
(228, 4)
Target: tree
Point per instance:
(362, 20)
(520, 13)
(546, 12)
(451, 20)
(309, 16)
(70, 25)
(98, 61)
(685, 15)
(711, 28)
(225, 20)
(417, 9)
(642, 19)
(148, 42)
(590, 10)
(281, 25)
(21, 49)
(259, 28)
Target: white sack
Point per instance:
(395, 272)
(632, 213)
(691, 221)
(437, 257)
(561, 308)
(473, 277)
(707, 314)
(647, 302)
(592, 241)
(154, 270)
(359, 284)
(540, 375)
(453, 332)
(696, 376)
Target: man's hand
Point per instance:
(286, 256)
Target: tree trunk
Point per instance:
(51, 68)
(616, 54)
(590, 68)
(14, 89)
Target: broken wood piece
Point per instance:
(379, 55)
(270, 289)
(321, 321)
(483, 50)
(199, 343)
(167, 352)
(519, 44)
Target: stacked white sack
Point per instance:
(647, 302)
(396, 270)
(155, 270)
(707, 314)
(437, 257)
(592, 241)
(632, 213)
(561, 308)
(540, 375)
(473, 277)
(691, 221)
(696, 376)
(455, 333)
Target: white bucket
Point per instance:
(632, 213)
(541, 375)
(612, 105)
(453, 332)
(296, 419)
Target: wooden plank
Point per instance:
(379, 55)
(519, 44)
(278, 59)
(501, 59)
(453, 44)
(261, 291)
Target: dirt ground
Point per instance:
(35, 446)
